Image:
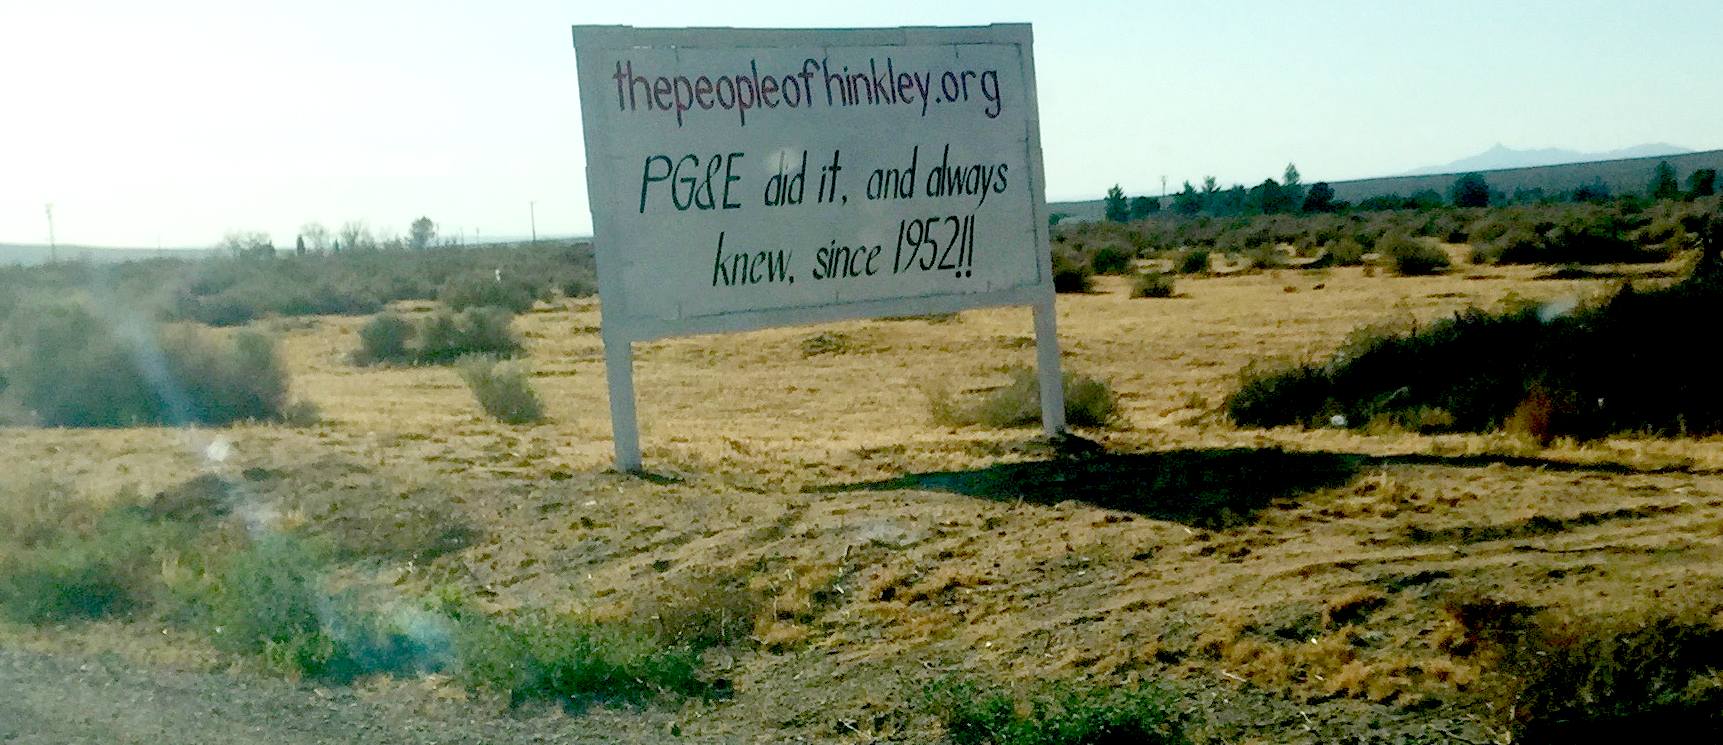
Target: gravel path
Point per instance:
(65, 699)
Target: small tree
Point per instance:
(1470, 190)
(247, 244)
(356, 236)
(315, 235)
(422, 234)
(1702, 183)
(1142, 207)
(1188, 201)
(299, 245)
(1291, 189)
(1320, 198)
(1663, 183)
(1118, 209)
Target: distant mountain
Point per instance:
(1500, 157)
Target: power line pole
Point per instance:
(532, 212)
(53, 248)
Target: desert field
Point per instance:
(1289, 585)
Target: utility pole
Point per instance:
(53, 248)
(532, 213)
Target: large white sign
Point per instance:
(747, 178)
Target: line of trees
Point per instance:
(1290, 196)
(353, 235)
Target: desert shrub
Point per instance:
(1152, 285)
(487, 290)
(543, 656)
(446, 337)
(1111, 260)
(69, 575)
(1612, 365)
(1409, 257)
(384, 339)
(1519, 245)
(265, 601)
(268, 598)
(67, 367)
(1588, 680)
(1071, 275)
(1055, 714)
(1346, 251)
(503, 389)
(1089, 402)
(1194, 261)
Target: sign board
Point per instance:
(747, 178)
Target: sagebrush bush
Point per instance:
(503, 389)
(1089, 402)
(487, 290)
(1194, 261)
(66, 366)
(1152, 285)
(1111, 259)
(445, 337)
(1054, 714)
(1071, 275)
(384, 339)
(1410, 257)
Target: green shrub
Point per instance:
(1587, 680)
(445, 337)
(1056, 714)
(384, 339)
(1194, 261)
(487, 290)
(265, 601)
(1346, 251)
(1071, 275)
(1152, 285)
(503, 389)
(541, 656)
(1410, 257)
(80, 575)
(1089, 402)
(67, 367)
(1111, 260)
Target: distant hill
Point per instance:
(1622, 176)
(13, 254)
(1501, 157)
(1625, 175)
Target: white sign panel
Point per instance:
(749, 178)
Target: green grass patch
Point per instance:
(1055, 714)
(541, 656)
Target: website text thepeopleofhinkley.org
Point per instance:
(817, 82)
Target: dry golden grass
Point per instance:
(847, 545)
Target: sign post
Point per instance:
(747, 178)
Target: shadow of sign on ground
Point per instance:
(1208, 488)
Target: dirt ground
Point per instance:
(1290, 583)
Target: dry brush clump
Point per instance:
(1089, 402)
(438, 339)
(65, 365)
(503, 389)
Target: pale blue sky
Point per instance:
(179, 120)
